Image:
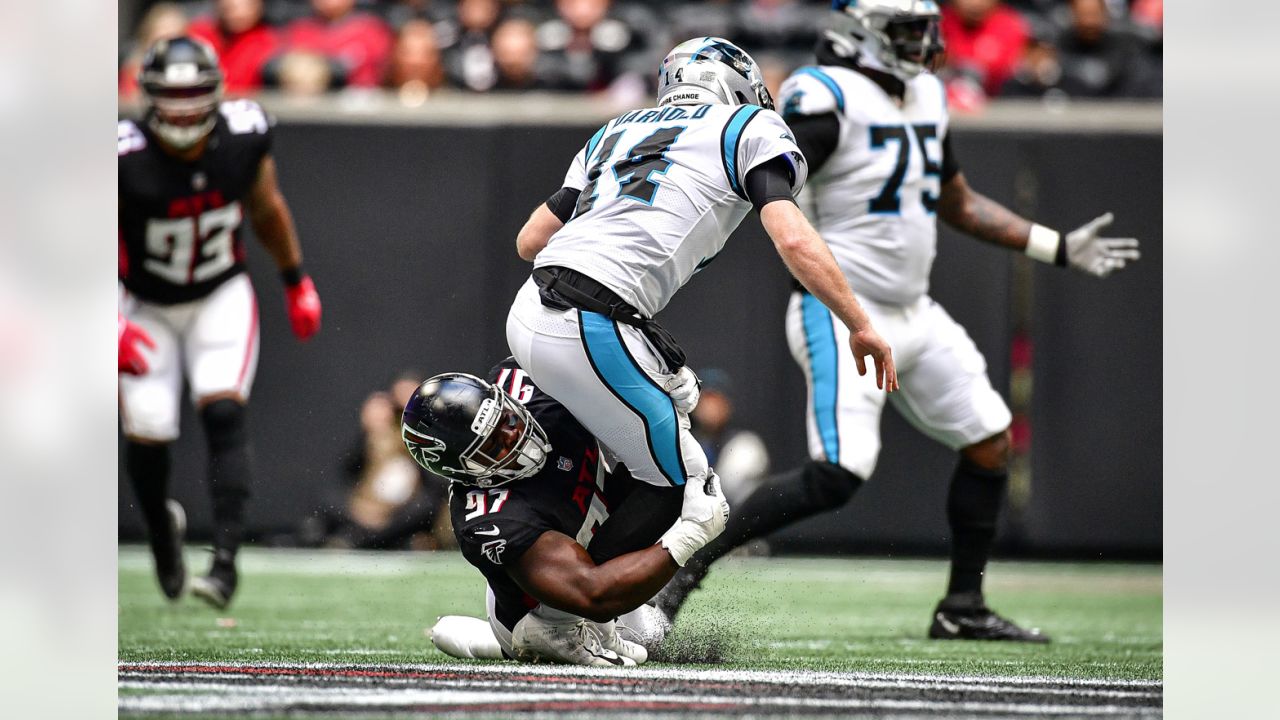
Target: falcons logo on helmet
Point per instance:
(424, 448)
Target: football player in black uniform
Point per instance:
(565, 545)
(189, 171)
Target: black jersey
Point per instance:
(180, 221)
(572, 494)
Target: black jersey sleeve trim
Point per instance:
(950, 165)
(770, 181)
(817, 137)
(562, 203)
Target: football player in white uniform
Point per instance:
(874, 127)
(650, 200)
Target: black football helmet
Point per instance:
(182, 82)
(465, 429)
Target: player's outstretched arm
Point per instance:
(558, 571)
(973, 213)
(273, 224)
(810, 261)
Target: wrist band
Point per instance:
(1043, 244)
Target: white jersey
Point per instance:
(873, 200)
(661, 190)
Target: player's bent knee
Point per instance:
(830, 485)
(991, 454)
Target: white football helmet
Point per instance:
(898, 36)
(711, 70)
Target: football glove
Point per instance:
(702, 517)
(1083, 249)
(684, 388)
(303, 304)
(131, 361)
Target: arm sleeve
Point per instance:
(562, 203)
(769, 182)
(817, 137)
(950, 165)
(765, 137)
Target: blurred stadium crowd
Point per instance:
(1052, 49)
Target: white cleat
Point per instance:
(611, 639)
(465, 637)
(571, 641)
(645, 626)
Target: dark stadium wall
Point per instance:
(409, 233)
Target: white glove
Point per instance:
(702, 518)
(684, 388)
(1083, 249)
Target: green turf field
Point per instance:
(775, 614)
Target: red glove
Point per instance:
(303, 303)
(130, 357)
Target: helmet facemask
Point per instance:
(184, 103)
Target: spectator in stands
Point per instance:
(1099, 61)
(777, 25)
(303, 73)
(243, 40)
(416, 70)
(360, 42)
(584, 47)
(386, 499)
(739, 455)
(984, 40)
(1038, 71)
(163, 20)
(515, 56)
(468, 55)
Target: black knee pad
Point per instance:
(224, 422)
(830, 485)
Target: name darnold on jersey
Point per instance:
(572, 494)
(874, 200)
(664, 188)
(180, 221)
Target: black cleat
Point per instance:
(166, 549)
(219, 585)
(671, 597)
(967, 617)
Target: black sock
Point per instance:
(224, 425)
(148, 469)
(973, 507)
(783, 499)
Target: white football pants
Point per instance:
(944, 393)
(609, 376)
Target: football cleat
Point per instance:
(968, 618)
(219, 585)
(466, 638)
(611, 639)
(572, 641)
(645, 626)
(166, 548)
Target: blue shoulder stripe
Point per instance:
(730, 138)
(827, 80)
(593, 142)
